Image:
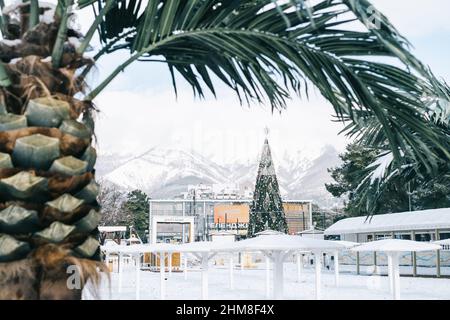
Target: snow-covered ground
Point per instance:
(250, 284)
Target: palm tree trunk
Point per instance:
(48, 210)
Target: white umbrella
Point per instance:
(393, 247)
(269, 232)
(205, 251)
(278, 247)
(347, 244)
(138, 249)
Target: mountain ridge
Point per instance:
(166, 172)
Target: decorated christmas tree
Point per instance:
(266, 211)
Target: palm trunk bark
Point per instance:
(48, 209)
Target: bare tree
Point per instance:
(112, 200)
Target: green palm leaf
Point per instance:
(265, 49)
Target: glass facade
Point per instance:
(298, 216)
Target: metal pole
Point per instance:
(150, 226)
(438, 255)
(357, 262)
(310, 214)
(303, 218)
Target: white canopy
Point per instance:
(393, 247)
(396, 245)
(206, 246)
(141, 248)
(286, 242)
(404, 221)
(275, 247)
(268, 232)
(347, 244)
(263, 243)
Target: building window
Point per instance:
(444, 235)
(423, 237)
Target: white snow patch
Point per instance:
(381, 164)
(74, 41)
(14, 61)
(250, 284)
(12, 7)
(12, 43)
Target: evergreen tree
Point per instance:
(399, 194)
(266, 211)
(137, 207)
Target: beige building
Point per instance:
(169, 223)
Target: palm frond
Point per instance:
(265, 49)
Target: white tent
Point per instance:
(393, 247)
(278, 247)
(268, 232)
(137, 250)
(275, 247)
(205, 251)
(347, 244)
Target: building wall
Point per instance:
(298, 214)
(423, 259)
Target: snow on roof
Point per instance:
(311, 231)
(268, 232)
(396, 245)
(141, 248)
(267, 242)
(286, 242)
(404, 221)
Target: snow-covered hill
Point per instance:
(166, 172)
(162, 172)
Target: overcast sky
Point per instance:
(139, 109)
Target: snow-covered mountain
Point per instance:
(166, 172)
